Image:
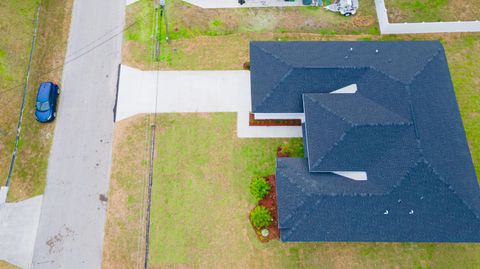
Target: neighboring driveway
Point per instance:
(192, 91)
(248, 3)
(71, 229)
(18, 228)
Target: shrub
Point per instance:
(259, 188)
(260, 217)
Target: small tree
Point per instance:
(259, 188)
(260, 217)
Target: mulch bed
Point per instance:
(281, 153)
(255, 122)
(270, 202)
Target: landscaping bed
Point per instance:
(273, 122)
(270, 203)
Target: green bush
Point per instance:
(260, 217)
(259, 188)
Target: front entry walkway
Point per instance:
(191, 92)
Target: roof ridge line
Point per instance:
(328, 109)
(424, 66)
(301, 218)
(273, 55)
(342, 137)
(352, 125)
(449, 187)
(297, 206)
(387, 75)
(406, 121)
(399, 183)
(268, 94)
(344, 134)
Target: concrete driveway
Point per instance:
(71, 229)
(190, 92)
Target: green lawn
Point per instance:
(201, 203)
(187, 22)
(432, 10)
(202, 170)
(16, 28)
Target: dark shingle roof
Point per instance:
(326, 207)
(282, 71)
(402, 127)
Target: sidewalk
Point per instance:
(18, 229)
(192, 92)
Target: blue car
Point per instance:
(46, 105)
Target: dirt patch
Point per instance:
(364, 21)
(281, 153)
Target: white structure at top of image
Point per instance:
(422, 27)
(248, 3)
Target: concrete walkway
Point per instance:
(18, 229)
(424, 27)
(191, 92)
(248, 3)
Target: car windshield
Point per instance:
(43, 106)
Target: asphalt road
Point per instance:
(71, 229)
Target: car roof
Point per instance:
(44, 91)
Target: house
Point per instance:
(386, 157)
